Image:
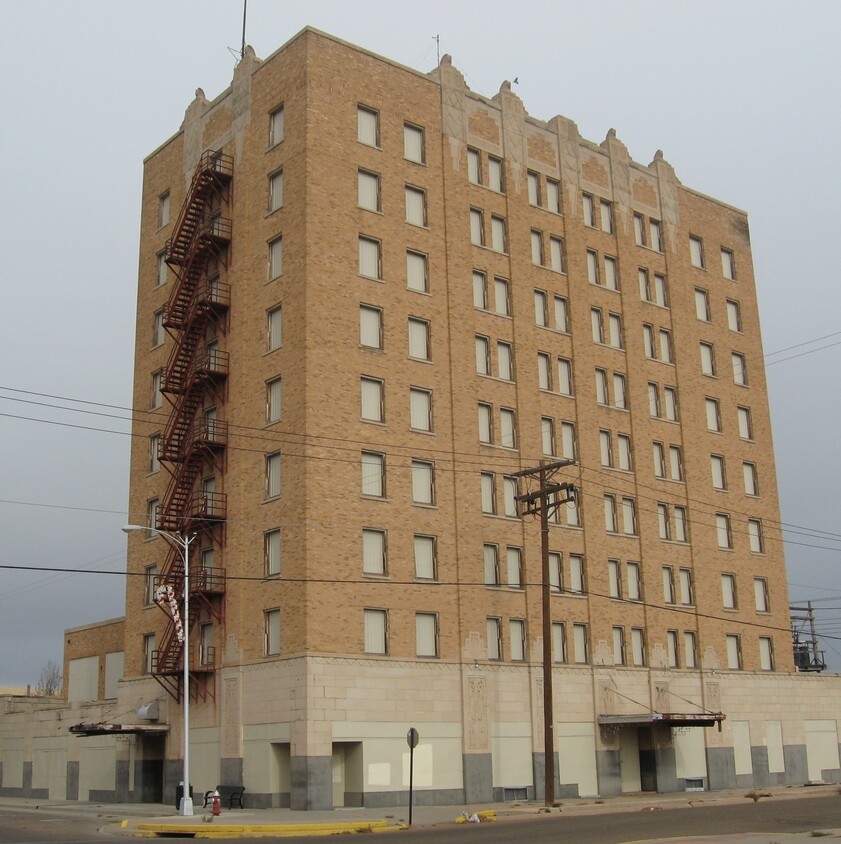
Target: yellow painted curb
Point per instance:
(253, 830)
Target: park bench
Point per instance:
(230, 793)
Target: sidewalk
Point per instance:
(147, 820)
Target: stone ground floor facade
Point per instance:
(312, 733)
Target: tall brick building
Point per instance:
(369, 296)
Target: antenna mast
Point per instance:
(244, 10)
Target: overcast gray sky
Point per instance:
(742, 97)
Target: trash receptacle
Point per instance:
(179, 793)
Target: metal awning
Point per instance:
(673, 719)
(117, 729)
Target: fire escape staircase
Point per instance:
(194, 371)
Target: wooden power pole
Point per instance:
(544, 501)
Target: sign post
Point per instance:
(412, 740)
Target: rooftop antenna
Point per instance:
(438, 46)
(244, 10)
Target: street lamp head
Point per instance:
(132, 528)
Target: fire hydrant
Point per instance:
(217, 807)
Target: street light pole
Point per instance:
(183, 543)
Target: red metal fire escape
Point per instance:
(194, 441)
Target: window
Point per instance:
(579, 643)
(477, 227)
(681, 524)
(157, 395)
(273, 400)
(670, 395)
(368, 190)
(605, 216)
(596, 325)
(614, 322)
(593, 267)
(629, 516)
(271, 632)
(502, 304)
(624, 443)
(415, 206)
(602, 396)
(653, 400)
(499, 239)
(564, 377)
(541, 309)
(707, 359)
(373, 474)
(556, 254)
(370, 327)
(605, 447)
(483, 355)
(157, 328)
(149, 585)
(149, 653)
(690, 650)
(474, 166)
(537, 248)
(162, 270)
(728, 591)
(163, 209)
(555, 571)
(275, 258)
(618, 645)
(553, 196)
(495, 176)
(154, 451)
(655, 230)
(760, 594)
(755, 536)
(274, 328)
(745, 423)
(485, 423)
(589, 210)
(494, 631)
(272, 483)
(505, 361)
(702, 305)
(426, 557)
(507, 428)
(371, 400)
(634, 582)
(638, 646)
(696, 252)
(675, 463)
(509, 489)
(420, 409)
(645, 286)
(413, 143)
(488, 487)
(619, 397)
(668, 585)
(368, 126)
(152, 507)
(276, 191)
(491, 564)
(417, 271)
(480, 290)
(639, 229)
(734, 316)
(374, 551)
(713, 415)
(686, 591)
(659, 454)
(672, 649)
(426, 634)
(370, 262)
(719, 476)
(418, 339)
(423, 482)
(610, 524)
(661, 295)
(723, 534)
(276, 127)
(271, 552)
(577, 583)
(559, 642)
(568, 440)
(517, 634)
(614, 576)
(740, 369)
(734, 652)
(544, 376)
(648, 341)
(533, 188)
(611, 276)
(375, 631)
(514, 566)
(728, 267)
(665, 345)
(766, 653)
(750, 478)
(663, 524)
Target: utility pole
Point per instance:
(543, 501)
